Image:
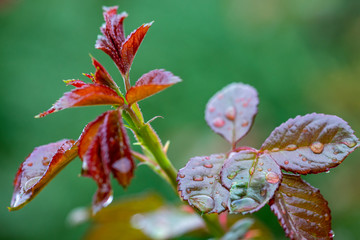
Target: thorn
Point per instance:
(166, 147)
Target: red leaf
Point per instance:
(102, 76)
(115, 150)
(113, 42)
(39, 168)
(199, 183)
(231, 112)
(130, 47)
(310, 144)
(93, 166)
(87, 95)
(302, 210)
(252, 180)
(149, 84)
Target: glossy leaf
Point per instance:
(252, 180)
(87, 95)
(310, 144)
(199, 183)
(93, 167)
(301, 209)
(115, 149)
(101, 76)
(130, 47)
(231, 112)
(39, 168)
(150, 84)
(75, 83)
(113, 42)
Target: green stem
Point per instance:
(149, 139)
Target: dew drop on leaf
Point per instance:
(230, 113)
(317, 147)
(181, 175)
(245, 124)
(208, 165)
(202, 202)
(286, 162)
(198, 178)
(232, 175)
(243, 205)
(251, 171)
(272, 177)
(31, 182)
(219, 122)
(350, 143)
(291, 147)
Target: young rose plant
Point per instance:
(241, 181)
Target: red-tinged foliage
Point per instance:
(312, 143)
(101, 76)
(104, 149)
(199, 183)
(113, 42)
(115, 149)
(39, 168)
(301, 209)
(150, 84)
(252, 180)
(231, 111)
(87, 95)
(75, 83)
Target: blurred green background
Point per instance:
(301, 56)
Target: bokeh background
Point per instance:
(301, 56)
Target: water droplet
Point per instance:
(317, 147)
(259, 169)
(218, 122)
(245, 104)
(210, 176)
(263, 192)
(251, 170)
(208, 165)
(245, 124)
(31, 182)
(286, 162)
(327, 170)
(232, 175)
(223, 204)
(275, 149)
(211, 182)
(272, 177)
(211, 109)
(291, 147)
(230, 113)
(334, 160)
(123, 165)
(181, 176)
(30, 164)
(188, 190)
(350, 143)
(198, 178)
(45, 161)
(243, 205)
(304, 159)
(220, 96)
(331, 234)
(289, 194)
(202, 202)
(207, 157)
(327, 217)
(269, 169)
(261, 164)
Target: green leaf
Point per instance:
(199, 183)
(239, 229)
(252, 180)
(301, 209)
(231, 112)
(39, 168)
(311, 144)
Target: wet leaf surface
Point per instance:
(310, 144)
(39, 168)
(199, 183)
(87, 95)
(115, 149)
(301, 209)
(150, 84)
(251, 179)
(231, 112)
